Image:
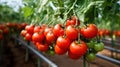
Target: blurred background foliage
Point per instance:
(104, 13)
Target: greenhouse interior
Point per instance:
(31, 33)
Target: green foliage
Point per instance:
(27, 11)
(104, 13)
(7, 14)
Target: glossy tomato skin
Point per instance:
(37, 29)
(58, 30)
(23, 33)
(99, 46)
(91, 56)
(63, 42)
(43, 26)
(29, 29)
(73, 56)
(42, 47)
(28, 37)
(73, 21)
(78, 49)
(59, 51)
(90, 32)
(71, 32)
(70, 22)
(46, 30)
(90, 44)
(38, 37)
(50, 37)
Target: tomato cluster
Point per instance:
(103, 32)
(117, 33)
(61, 39)
(106, 32)
(9, 27)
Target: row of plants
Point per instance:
(72, 27)
(9, 28)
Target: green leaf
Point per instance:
(27, 11)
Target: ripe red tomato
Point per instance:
(46, 30)
(58, 30)
(38, 37)
(73, 21)
(59, 51)
(89, 32)
(71, 32)
(23, 33)
(43, 26)
(28, 37)
(63, 42)
(73, 56)
(42, 47)
(37, 29)
(78, 49)
(29, 29)
(70, 22)
(50, 37)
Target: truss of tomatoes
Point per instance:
(10, 27)
(106, 32)
(62, 40)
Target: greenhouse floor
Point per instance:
(15, 57)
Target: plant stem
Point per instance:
(84, 61)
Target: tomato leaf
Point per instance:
(27, 11)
